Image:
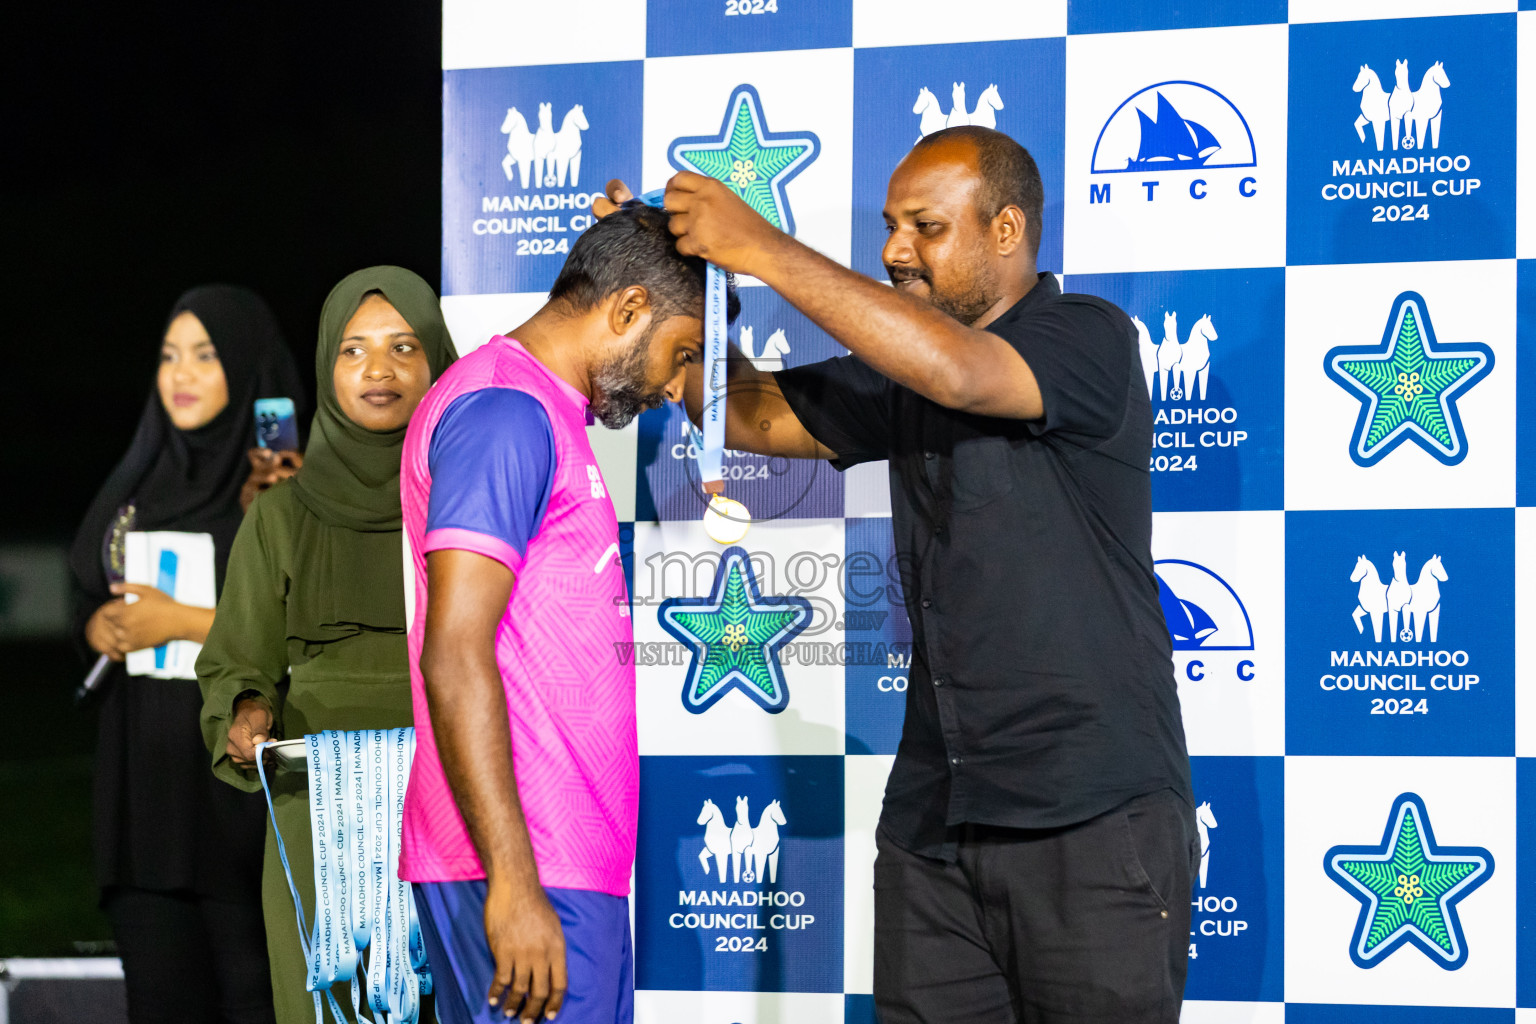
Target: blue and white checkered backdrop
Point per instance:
(1339, 335)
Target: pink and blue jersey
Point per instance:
(497, 462)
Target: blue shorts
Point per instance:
(599, 960)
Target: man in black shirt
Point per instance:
(1037, 841)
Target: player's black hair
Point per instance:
(1009, 176)
(633, 247)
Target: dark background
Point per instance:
(149, 148)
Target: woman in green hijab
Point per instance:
(315, 589)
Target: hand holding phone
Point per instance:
(277, 425)
(276, 455)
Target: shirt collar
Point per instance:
(579, 400)
(1046, 288)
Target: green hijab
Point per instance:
(351, 475)
(350, 482)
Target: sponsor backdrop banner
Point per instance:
(1314, 213)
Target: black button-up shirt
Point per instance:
(1041, 690)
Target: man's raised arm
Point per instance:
(899, 335)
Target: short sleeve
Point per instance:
(1080, 354)
(843, 404)
(492, 459)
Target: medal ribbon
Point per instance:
(712, 452)
(357, 784)
(711, 456)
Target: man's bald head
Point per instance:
(1007, 173)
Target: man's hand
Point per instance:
(528, 945)
(466, 699)
(713, 222)
(617, 194)
(252, 724)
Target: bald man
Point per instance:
(1037, 841)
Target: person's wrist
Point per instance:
(518, 886)
(183, 621)
(763, 258)
(249, 700)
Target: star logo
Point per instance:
(1408, 386)
(753, 161)
(1408, 888)
(736, 635)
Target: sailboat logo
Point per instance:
(1203, 612)
(1174, 126)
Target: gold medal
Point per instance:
(726, 520)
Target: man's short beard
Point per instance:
(971, 302)
(620, 391)
(967, 305)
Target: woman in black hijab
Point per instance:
(178, 853)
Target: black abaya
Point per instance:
(166, 832)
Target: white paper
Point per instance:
(181, 564)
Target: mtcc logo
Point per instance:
(1408, 888)
(545, 154)
(1408, 385)
(735, 635)
(933, 118)
(1203, 613)
(1418, 603)
(1413, 114)
(1174, 126)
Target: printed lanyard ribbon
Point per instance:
(711, 457)
(712, 454)
(357, 783)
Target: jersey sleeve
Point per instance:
(844, 404)
(1081, 356)
(492, 459)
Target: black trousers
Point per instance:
(1087, 924)
(191, 960)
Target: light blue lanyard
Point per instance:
(357, 782)
(712, 454)
(711, 457)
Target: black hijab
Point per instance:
(190, 479)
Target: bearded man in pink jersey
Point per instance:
(520, 819)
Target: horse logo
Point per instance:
(1381, 604)
(931, 117)
(741, 844)
(775, 348)
(1205, 820)
(1186, 365)
(544, 156)
(764, 848)
(1414, 115)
